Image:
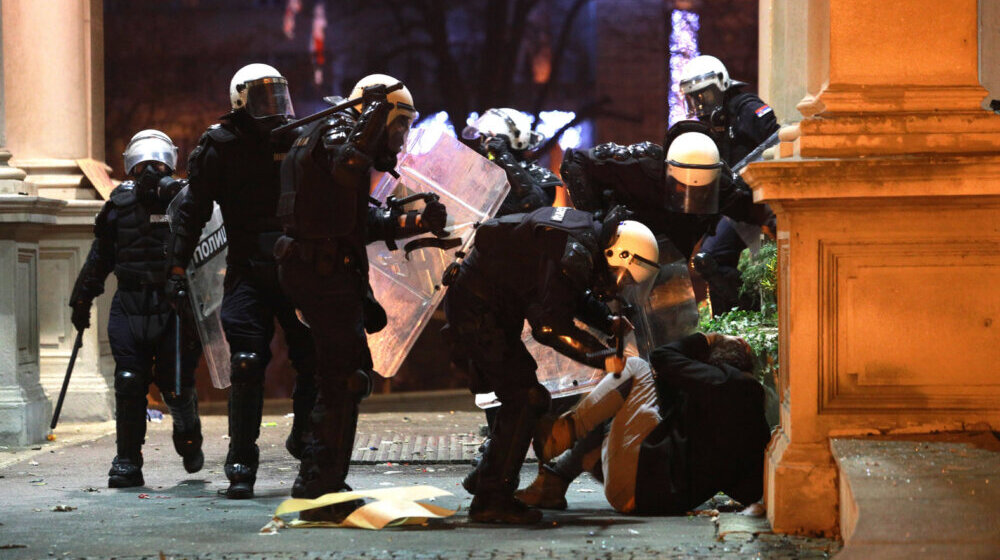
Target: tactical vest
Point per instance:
(140, 258)
(509, 245)
(248, 198)
(313, 204)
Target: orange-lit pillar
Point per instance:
(888, 201)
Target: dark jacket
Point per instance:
(712, 436)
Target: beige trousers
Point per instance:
(634, 413)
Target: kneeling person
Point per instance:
(565, 254)
(688, 427)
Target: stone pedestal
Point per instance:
(61, 253)
(888, 203)
(53, 97)
(24, 408)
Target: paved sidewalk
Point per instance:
(178, 515)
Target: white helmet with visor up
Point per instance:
(508, 123)
(632, 255)
(262, 91)
(150, 146)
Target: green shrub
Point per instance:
(758, 328)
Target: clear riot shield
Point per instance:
(409, 287)
(666, 313)
(671, 310)
(205, 275)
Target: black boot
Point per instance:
(327, 456)
(187, 428)
(125, 472)
(303, 400)
(246, 404)
(498, 473)
(130, 430)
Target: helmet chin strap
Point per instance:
(718, 119)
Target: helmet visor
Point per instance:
(702, 102)
(268, 97)
(150, 148)
(689, 196)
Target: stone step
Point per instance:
(925, 496)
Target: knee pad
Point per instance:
(246, 367)
(359, 384)
(129, 383)
(538, 399)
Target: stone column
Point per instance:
(24, 409)
(888, 202)
(54, 91)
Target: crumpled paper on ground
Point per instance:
(392, 507)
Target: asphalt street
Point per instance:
(180, 515)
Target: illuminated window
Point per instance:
(683, 47)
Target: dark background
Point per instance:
(168, 64)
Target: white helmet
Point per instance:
(633, 255)
(401, 99)
(511, 124)
(150, 145)
(694, 164)
(703, 82)
(261, 90)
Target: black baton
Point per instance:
(65, 385)
(325, 112)
(177, 346)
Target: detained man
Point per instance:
(663, 437)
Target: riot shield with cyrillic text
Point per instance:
(206, 274)
(408, 283)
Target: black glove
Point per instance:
(373, 93)
(533, 200)
(434, 217)
(497, 145)
(81, 314)
(168, 187)
(176, 288)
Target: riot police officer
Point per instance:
(130, 236)
(740, 121)
(504, 136)
(324, 265)
(236, 164)
(645, 178)
(570, 257)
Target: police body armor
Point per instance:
(634, 176)
(140, 262)
(250, 192)
(310, 207)
(512, 258)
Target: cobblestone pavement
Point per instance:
(178, 515)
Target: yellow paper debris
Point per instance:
(392, 507)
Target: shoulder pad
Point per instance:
(609, 151)
(577, 263)
(646, 150)
(124, 194)
(218, 133)
(542, 176)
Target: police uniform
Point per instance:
(558, 251)
(324, 269)
(130, 235)
(531, 185)
(748, 122)
(237, 165)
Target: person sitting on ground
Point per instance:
(689, 426)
